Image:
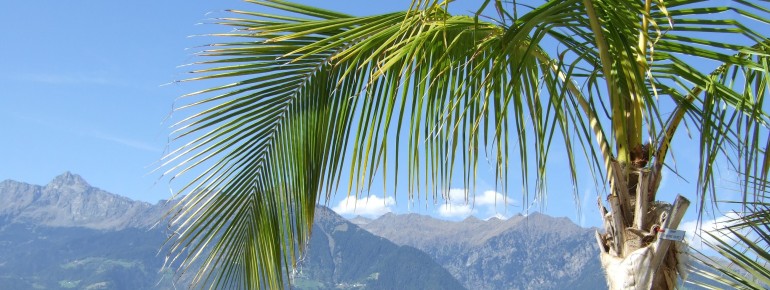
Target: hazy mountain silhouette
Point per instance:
(68, 234)
(533, 252)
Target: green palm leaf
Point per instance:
(743, 245)
(309, 91)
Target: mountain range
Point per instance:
(68, 234)
(69, 201)
(523, 252)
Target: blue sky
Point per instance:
(83, 91)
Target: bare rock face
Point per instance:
(341, 255)
(533, 252)
(69, 201)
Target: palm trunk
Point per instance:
(632, 255)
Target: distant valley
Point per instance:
(70, 235)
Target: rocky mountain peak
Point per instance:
(69, 201)
(68, 179)
(359, 220)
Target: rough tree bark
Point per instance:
(632, 255)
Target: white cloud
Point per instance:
(587, 193)
(450, 210)
(691, 228)
(455, 196)
(492, 198)
(371, 206)
(485, 205)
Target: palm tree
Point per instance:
(311, 91)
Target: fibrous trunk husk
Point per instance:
(632, 255)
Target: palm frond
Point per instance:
(314, 98)
(743, 245)
(274, 141)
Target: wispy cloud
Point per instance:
(587, 194)
(75, 129)
(692, 228)
(136, 144)
(485, 205)
(79, 129)
(371, 206)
